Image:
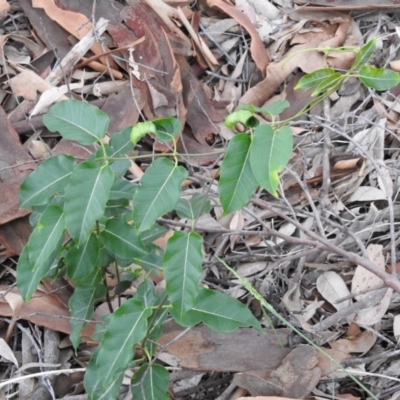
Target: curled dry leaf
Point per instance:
(364, 281)
(332, 287)
(361, 344)
(258, 51)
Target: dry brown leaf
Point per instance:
(258, 51)
(44, 310)
(364, 281)
(77, 24)
(360, 344)
(326, 365)
(332, 287)
(4, 8)
(278, 72)
(27, 83)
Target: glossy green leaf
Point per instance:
(237, 182)
(182, 261)
(85, 198)
(272, 109)
(122, 239)
(152, 262)
(332, 82)
(275, 108)
(269, 154)
(158, 192)
(378, 78)
(194, 207)
(219, 312)
(94, 386)
(155, 232)
(81, 261)
(145, 293)
(242, 116)
(76, 120)
(120, 143)
(314, 78)
(46, 236)
(122, 189)
(81, 304)
(150, 382)
(120, 167)
(27, 278)
(167, 128)
(48, 178)
(365, 53)
(127, 327)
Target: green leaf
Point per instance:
(150, 382)
(243, 116)
(275, 108)
(120, 167)
(332, 82)
(81, 303)
(158, 192)
(145, 294)
(127, 327)
(378, 78)
(237, 182)
(48, 178)
(120, 143)
(46, 236)
(27, 278)
(122, 189)
(85, 198)
(365, 53)
(269, 154)
(194, 207)
(182, 261)
(78, 121)
(314, 78)
(81, 262)
(93, 385)
(219, 312)
(167, 128)
(155, 232)
(122, 239)
(152, 262)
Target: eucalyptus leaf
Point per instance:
(158, 192)
(237, 182)
(47, 179)
(182, 261)
(85, 198)
(76, 120)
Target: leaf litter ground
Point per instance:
(338, 194)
